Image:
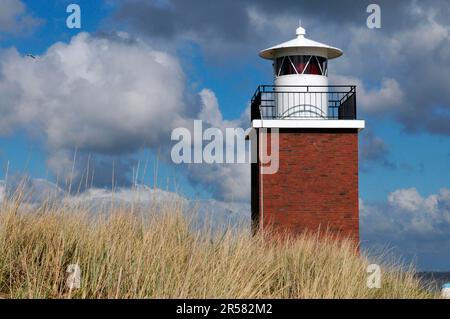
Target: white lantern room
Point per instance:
(301, 77)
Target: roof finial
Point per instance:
(300, 31)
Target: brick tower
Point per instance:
(316, 184)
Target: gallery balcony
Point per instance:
(333, 102)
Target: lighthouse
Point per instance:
(315, 187)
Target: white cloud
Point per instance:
(388, 97)
(405, 69)
(229, 182)
(411, 225)
(270, 25)
(14, 17)
(144, 196)
(140, 194)
(410, 200)
(93, 93)
(217, 214)
(408, 213)
(101, 95)
(210, 111)
(211, 114)
(107, 96)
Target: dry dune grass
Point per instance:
(154, 253)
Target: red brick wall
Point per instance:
(316, 186)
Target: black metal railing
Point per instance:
(336, 102)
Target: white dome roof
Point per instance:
(301, 45)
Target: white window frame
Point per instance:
(320, 66)
(292, 64)
(306, 65)
(281, 65)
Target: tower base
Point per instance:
(316, 186)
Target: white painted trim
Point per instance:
(310, 123)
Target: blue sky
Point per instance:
(406, 144)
